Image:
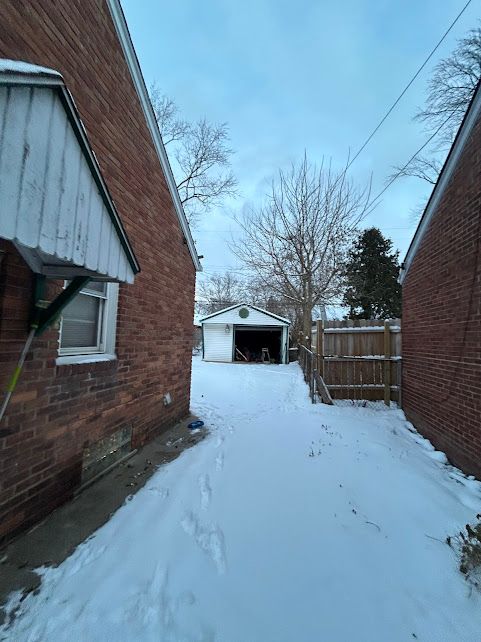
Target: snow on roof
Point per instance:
(21, 67)
(245, 305)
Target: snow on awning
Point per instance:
(54, 204)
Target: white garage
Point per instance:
(245, 333)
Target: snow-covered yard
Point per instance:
(291, 522)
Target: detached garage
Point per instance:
(245, 333)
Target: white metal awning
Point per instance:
(54, 203)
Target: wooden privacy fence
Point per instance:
(357, 360)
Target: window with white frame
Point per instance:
(89, 321)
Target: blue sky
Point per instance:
(289, 76)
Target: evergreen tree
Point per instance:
(372, 290)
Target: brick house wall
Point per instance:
(442, 319)
(57, 411)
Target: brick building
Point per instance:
(93, 382)
(441, 279)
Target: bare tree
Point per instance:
(200, 154)
(220, 291)
(297, 241)
(450, 90)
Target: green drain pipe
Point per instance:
(41, 318)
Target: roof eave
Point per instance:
(123, 33)
(214, 314)
(246, 305)
(445, 175)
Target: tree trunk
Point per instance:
(306, 326)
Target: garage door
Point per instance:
(217, 342)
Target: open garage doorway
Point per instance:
(258, 344)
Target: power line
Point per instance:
(400, 172)
(379, 125)
(376, 129)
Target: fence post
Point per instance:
(387, 363)
(399, 382)
(311, 376)
(313, 382)
(320, 347)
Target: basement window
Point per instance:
(88, 322)
(99, 457)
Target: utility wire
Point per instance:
(401, 171)
(384, 118)
(386, 115)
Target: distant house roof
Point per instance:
(244, 305)
(465, 129)
(139, 84)
(56, 207)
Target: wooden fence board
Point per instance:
(322, 389)
(350, 354)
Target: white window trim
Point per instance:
(72, 359)
(109, 331)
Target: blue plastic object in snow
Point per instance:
(195, 424)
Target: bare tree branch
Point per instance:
(424, 167)
(171, 127)
(450, 90)
(201, 157)
(219, 291)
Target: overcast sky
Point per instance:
(288, 76)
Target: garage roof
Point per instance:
(55, 205)
(244, 305)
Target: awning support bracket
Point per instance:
(42, 318)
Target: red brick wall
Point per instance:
(58, 410)
(442, 320)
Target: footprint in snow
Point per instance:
(205, 491)
(152, 605)
(208, 538)
(219, 462)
